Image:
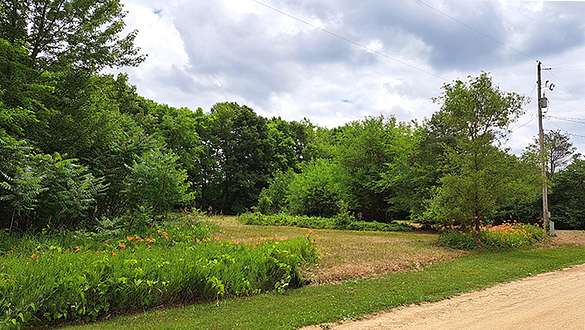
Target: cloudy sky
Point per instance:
(334, 61)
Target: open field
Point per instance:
(354, 299)
(347, 254)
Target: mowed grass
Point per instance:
(353, 299)
(346, 254)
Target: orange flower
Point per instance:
(121, 246)
(164, 234)
(114, 254)
(76, 249)
(35, 256)
(132, 238)
(149, 240)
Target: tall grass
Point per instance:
(62, 285)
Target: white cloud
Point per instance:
(203, 52)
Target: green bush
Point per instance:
(506, 236)
(318, 190)
(338, 222)
(458, 240)
(49, 191)
(157, 183)
(273, 199)
(61, 285)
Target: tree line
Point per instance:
(77, 145)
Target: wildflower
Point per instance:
(121, 246)
(35, 256)
(76, 249)
(150, 240)
(114, 254)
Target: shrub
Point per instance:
(338, 222)
(318, 190)
(273, 199)
(458, 240)
(506, 236)
(156, 182)
(60, 285)
(48, 190)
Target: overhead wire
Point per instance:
(470, 27)
(348, 40)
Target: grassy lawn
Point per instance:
(352, 299)
(347, 254)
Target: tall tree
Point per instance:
(240, 147)
(87, 34)
(558, 151)
(478, 114)
(568, 196)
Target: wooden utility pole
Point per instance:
(542, 104)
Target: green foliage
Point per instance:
(274, 198)
(505, 236)
(85, 34)
(320, 304)
(365, 147)
(458, 240)
(47, 190)
(318, 190)
(476, 114)
(341, 221)
(62, 285)
(240, 151)
(155, 182)
(568, 197)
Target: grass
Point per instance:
(352, 299)
(346, 254)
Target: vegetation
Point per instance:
(61, 282)
(506, 236)
(343, 254)
(92, 175)
(353, 299)
(337, 222)
(568, 197)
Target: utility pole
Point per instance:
(542, 104)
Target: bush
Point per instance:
(157, 183)
(48, 190)
(62, 285)
(318, 190)
(303, 221)
(458, 240)
(273, 199)
(506, 236)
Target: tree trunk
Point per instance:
(11, 221)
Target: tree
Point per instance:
(156, 183)
(568, 197)
(239, 147)
(558, 151)
(477, 114)
(84, 34)
(318, 190)
(365, 147)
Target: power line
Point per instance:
(470, 27)
(572, 120)
(347, 39)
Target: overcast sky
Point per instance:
(387, 57)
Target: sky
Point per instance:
(334, 61)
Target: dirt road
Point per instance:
(547, 301)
